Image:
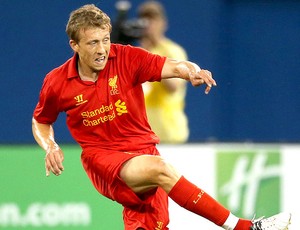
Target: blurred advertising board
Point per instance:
(30, 200)
(249, 179)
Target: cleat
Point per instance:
(280, 221)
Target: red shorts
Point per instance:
(103, 168)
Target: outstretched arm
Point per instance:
(44, 136)
(189, 71)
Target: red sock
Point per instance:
(194, 199)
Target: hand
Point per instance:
(202, 77)
(192, 72)
(53, 160)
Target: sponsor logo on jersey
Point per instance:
(104, 113)
(121, 107)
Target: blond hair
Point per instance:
(86, 17)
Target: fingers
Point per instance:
(207, 89)
(204, 77)
(48, 168)
(207, 77)
(53, 163)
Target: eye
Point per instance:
(92, 42)
(106, 40)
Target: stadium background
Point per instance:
(251, 46)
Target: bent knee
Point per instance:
(158, 171)
(149, 171)
(165, 172)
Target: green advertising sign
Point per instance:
(249, 181)
(30, 200)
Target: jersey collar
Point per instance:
(72, 68)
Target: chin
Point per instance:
(98, 68)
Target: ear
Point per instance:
(73, 45)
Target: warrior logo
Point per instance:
(79, 99)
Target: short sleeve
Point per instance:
(146, 66)
(46, 110)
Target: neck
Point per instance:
(87, 75)
(150, 42)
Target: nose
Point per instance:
(100, 48)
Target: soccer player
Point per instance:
(100, 90)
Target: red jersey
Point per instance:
(109, 113)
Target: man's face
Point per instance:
(93, 48)
(156, 27)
